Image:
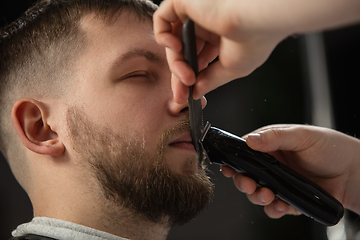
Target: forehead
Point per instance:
(113, 44)
(123, 29)
(106, 42)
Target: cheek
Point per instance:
(139, 117)
(136, 110)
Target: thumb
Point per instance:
(212, 77)
(278, 137)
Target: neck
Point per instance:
(127, 224)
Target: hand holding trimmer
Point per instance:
(221, 147)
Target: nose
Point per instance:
(177, 109)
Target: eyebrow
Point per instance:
(135, 53)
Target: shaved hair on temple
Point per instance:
(40, 49)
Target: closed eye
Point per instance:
(137, 74)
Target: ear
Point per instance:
(29, 118)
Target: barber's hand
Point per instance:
(327, 157)
(220, 32)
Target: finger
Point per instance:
(181, 92)
(169, 40)
(179, 67)
(183, 72)
(244, 184)
(211, 78)
(163, 20)
(207, 35)
(207, 54)
(179, 89)
(279, 208)
(287, 138)
(236, 60)
(276, 209)
(203, 102)
(262, 196)
(227, 171)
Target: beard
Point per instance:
(136, 178)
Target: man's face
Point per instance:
(125, 86)
(125, 124)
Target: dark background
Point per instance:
(277, 92)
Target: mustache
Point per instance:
(183, 125)
(180, 127)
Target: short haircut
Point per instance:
(38, 50)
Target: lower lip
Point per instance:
(183, 145)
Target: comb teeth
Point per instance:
(195, 122)
(205, 131)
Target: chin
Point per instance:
(186, 164)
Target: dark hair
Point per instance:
(38, 50)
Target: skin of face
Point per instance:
(124, 85)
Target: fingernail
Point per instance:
(255, 138)
(261, 198)
(279, 206)
(241, 189)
